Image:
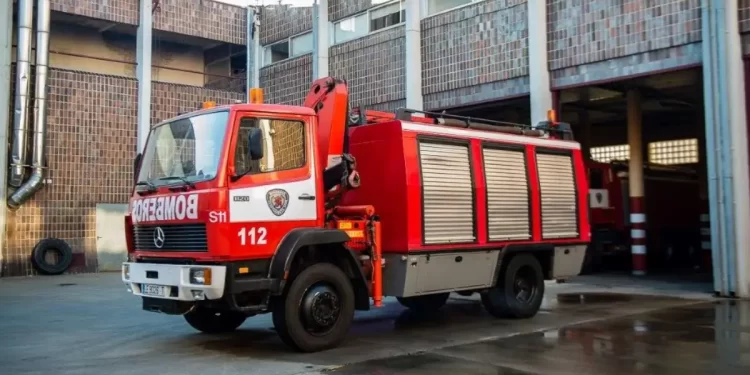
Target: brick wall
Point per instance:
(287, 82)
(338, 9)
(202, 18)
(373, 67)
(581, 32)
(122, 11)
(90, 141)
(478, 44)
(282, 21)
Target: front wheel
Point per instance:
(315, 313)
(214, 321)
(519, 290)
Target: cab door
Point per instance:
(273, 195)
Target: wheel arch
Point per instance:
(318, 245)
(542, 252)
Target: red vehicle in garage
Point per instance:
(673, 211)
(255, 208)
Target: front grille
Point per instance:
(185, 237)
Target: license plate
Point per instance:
(154, 290)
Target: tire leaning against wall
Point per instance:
(51, 244)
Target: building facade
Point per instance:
(198, 54)
(515, 59)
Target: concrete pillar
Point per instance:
(321, 41)
(739, 141)
(143, 72)
(636, 185)
(413, 58)
(6, 33)
(539, 81)
(726, 148)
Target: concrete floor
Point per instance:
(88, 324)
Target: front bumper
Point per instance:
(169, 281)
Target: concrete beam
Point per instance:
(321, 41)
(539, 77)
(143, 72)
(413, 58)
(251, 58)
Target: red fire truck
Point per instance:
(673, 210)
(255, 208)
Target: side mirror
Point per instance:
(255, 144)
(136, 166)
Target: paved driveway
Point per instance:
(89, 324)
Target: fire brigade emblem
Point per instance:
(277, 200)
(599, 197)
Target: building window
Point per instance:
(292, 47)
(378, 18)
(350, 28)
(672, 152)
(387, 16)
(437, 6)
(606, 154)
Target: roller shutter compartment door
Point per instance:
(507, 194)
(558, 194)
(447, 193)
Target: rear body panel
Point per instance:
(391, 159)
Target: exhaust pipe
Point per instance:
(21, 108)
(40, 112)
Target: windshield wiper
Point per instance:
(150, 187)
(183, 179)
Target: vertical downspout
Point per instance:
(21, 108)
(40, 109)
(6, 36)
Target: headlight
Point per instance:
(200, 276)
(126, 271)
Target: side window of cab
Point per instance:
(283, 146)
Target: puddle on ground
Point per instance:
(588, 298)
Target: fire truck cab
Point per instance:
(255, 208)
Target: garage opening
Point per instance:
(671, 234)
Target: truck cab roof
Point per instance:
(268, 108)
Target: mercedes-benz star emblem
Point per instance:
(159, 237)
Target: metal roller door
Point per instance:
(507, 194)
(447, 193)
(558, 193)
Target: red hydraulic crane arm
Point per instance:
(329, 98)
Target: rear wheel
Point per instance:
(214, 321)
(519, 290)
(424, 304)
(317, 309)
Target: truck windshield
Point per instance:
(187, 149)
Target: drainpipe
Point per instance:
(40, 109)
(21, 108)
(6, 35)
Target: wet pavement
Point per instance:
(706, 338)
(88, 324)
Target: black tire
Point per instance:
(519, 290)
(214, 321)
(424, 304)
(300, 311)
(47, 245)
